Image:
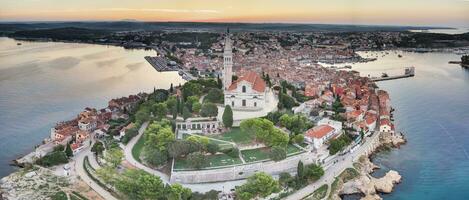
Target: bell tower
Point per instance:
(227, 61)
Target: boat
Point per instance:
(18, 43)
(400, 56)
(384, 75)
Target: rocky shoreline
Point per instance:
(363, 183)
(36, 182)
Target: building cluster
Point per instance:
(363, 109)
(279, 51)
(92, 122)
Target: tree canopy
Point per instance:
(227, 117)
(265, 131)
(260, 184)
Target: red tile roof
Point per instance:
(385, 122)
(256, 81)
(319, 131)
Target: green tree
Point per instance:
(160, 139)
(172, 101)
(174, 111)
(180, 148)
(142, 115)
(113, 157)
(298, 139)
(138, 184)
(154, 156)
(68, 151)
(260, 184)
(171, 89)
(227, 117)
(108, 174)
(285, 179)
(160, 110)
(196, 107)
(186, 113)
(197, 160)
(53, 158)
(209, 110)
(300, 170)
(177, 192)
(214, 95)
(278, 153)
(313, 172)
(219, 82)
(98, 148)
(191, 88)
(204, 141)
(161, 95)
(213, 148)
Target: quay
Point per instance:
(161, 64)
(408, 72)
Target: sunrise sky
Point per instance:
(384, 12)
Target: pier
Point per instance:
(408, 72)
(161, 64)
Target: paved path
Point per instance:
(80, 170)
(130, 158)
(342, 162)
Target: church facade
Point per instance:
(248, 92)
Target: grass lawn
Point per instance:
(212, 161)
(138, 147)
(252, 155)
(235, 135)
(292, 149)
(222, 145)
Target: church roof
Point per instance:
(252, 77)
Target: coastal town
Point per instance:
(258, 110)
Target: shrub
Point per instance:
(54, 158)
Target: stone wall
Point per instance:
(240, 171)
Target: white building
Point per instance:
(248, 92)
(385, 125)
(324, 131)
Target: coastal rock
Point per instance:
(393, 140)
(367, 185)
(386, 183)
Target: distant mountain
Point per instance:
(133, 25)
(66, 33)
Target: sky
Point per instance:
(453, 13)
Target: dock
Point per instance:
(161, 64)
(408, 72)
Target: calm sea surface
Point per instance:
(432, 109)
(42, 83)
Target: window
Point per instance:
(232, 103)
(244, 88)
(244, 102)
(255, 104)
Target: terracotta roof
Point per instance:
(385, 122)
(319, 131)
(256, 81)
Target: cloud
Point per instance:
(161, 10)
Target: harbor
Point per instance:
(408, 72)
(161, 64)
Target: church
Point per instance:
(248, 92)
